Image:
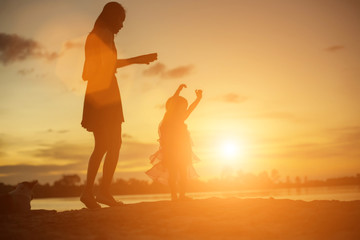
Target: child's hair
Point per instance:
(176, 102)
(176, 107)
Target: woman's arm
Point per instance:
(143, 59)
(195, 103)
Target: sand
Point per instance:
(197, 219)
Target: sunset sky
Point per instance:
(280, 80)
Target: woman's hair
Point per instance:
(109, 16)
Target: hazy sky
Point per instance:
(281, 82)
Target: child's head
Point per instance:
(176, 107)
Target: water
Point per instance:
(342, 193)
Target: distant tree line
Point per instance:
(71, 186)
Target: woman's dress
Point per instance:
(102, 103)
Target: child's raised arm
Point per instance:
(195, 103)
(179, 89)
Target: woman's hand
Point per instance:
(146, 59)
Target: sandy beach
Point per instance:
(197, 219)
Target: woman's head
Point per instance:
(111, 17)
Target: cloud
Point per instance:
(2, 146)
(349, 137)
(2, 143)
(132, 150)
(34, 169)
(341, 145)
(50, 130)
(61, 151)
(14, 48)
(71, 44)
(59, 158)
(50, 154)
(69, 158)
(134, 156)
(156, 69)
(178, 72)
(25, 71)
(13, 174)
(74, 153)
(132, 153)
(334, 48)
(161, 70)
(127, 136)
(63, 131)
(231, 98)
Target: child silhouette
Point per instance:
(173, 161)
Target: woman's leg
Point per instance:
(87, 196)
(95, 160)
(110, 162)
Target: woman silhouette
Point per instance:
(103, 114)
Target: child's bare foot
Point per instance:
(89, 201)
(174, 197)
(185, 198)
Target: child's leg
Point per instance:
(172, 182)
(182, 180)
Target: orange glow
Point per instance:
(229, 149)
(280, 83)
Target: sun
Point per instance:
(230, 151)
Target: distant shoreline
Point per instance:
(69, 185)
(224, 191)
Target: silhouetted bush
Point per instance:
(69, 185)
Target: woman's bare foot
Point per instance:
(107, 199)
(89, 201)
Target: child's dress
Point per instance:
(174, 151)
